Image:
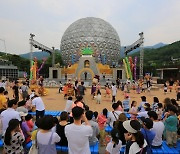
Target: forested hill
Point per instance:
(161, 57)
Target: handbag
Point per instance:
(34, 147)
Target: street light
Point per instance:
(31, 48)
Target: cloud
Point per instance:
(48, 19)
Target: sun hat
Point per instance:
(23, 114)
(132, 126)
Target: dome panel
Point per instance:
(91, 32)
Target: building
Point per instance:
(8, 70)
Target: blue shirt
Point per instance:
(148, 136)
(126, 103)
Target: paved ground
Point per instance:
(55, 101)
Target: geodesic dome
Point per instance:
(94, 34)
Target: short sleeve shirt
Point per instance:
(115, 150)
(16, 146)
(78, 138)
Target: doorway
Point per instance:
(119, 74)
(54, 74)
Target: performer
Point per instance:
(171, 83)
(40, 83)
(148, 80)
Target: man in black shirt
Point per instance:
(16, 91)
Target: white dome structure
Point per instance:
(93, 33)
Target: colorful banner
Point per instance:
(135, 62)
(128, 68)
(31, 70)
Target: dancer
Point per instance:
(98, 97)
(108, 92)
(165, 88)
(41, 88)
(114, 92)
(171, 82)
(93, 90)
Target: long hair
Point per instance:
(115, 137)
(139, 138)
(132, 103)
(13, 124)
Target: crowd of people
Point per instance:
(79, 127)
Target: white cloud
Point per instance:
(48, 19)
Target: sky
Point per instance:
(48, 20)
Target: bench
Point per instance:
(1, 143)
(94, 149)
(53, 113)
(163, 150)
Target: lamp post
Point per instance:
(31, 48)
(53, 57)
(141, 55)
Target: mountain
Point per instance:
(38, 54)
(162, 56)
(156, 46)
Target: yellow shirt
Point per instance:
(3, 101)
(33, 135)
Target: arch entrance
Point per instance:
(86, 71)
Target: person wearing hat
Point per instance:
(135, 140)
(25, 128)
(148, 133)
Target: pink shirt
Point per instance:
(134, 110)
(101, 121)
(120, 108)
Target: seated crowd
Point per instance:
(79, 128)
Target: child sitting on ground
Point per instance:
(159, 111)
(133, 111)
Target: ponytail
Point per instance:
(139, 138)
(13, 124)
(115, 137)
(116, 141)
